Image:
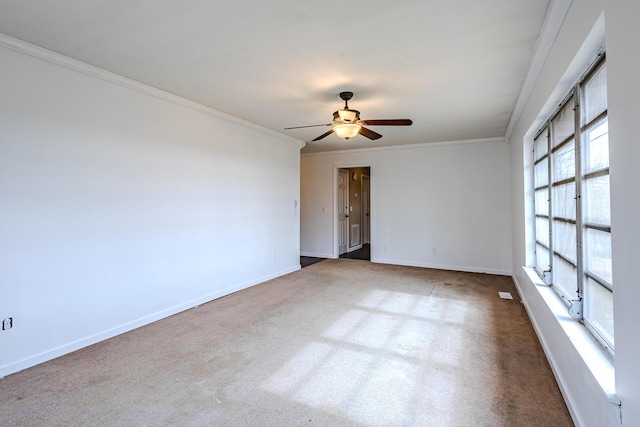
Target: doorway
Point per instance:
(353, 201)
(343, 211)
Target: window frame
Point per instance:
(576, 304)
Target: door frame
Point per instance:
(335, 222)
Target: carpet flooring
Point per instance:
(340, 343)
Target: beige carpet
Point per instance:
(342, 342)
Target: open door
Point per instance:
(343, 211)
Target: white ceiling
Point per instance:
(455, 67)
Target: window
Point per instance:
(541, 203)
(571, 202)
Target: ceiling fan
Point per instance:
(347, 124)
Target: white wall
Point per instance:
(586, 24)
(623, 41)
(120, 205)
(450, 196)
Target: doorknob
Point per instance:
(346, 216)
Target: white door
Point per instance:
(343, 211)
(366, 219)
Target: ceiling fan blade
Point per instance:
(323, 135)
(369, 133)
(309, 126)
(387, 122)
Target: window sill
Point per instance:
(593, 354)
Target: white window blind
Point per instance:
(572, 204)
(563, 201)
(597, 279)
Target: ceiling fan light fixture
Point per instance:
(346, 130)
(347, 115)
(347, 124)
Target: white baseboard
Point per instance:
(316, 254)
(571, 339)
(45, 356)
(442, 266)
(568, 398)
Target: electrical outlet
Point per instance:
(7, 323)
(434, 251)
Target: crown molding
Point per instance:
(410, 146)
(63, 61)
(553, 20)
